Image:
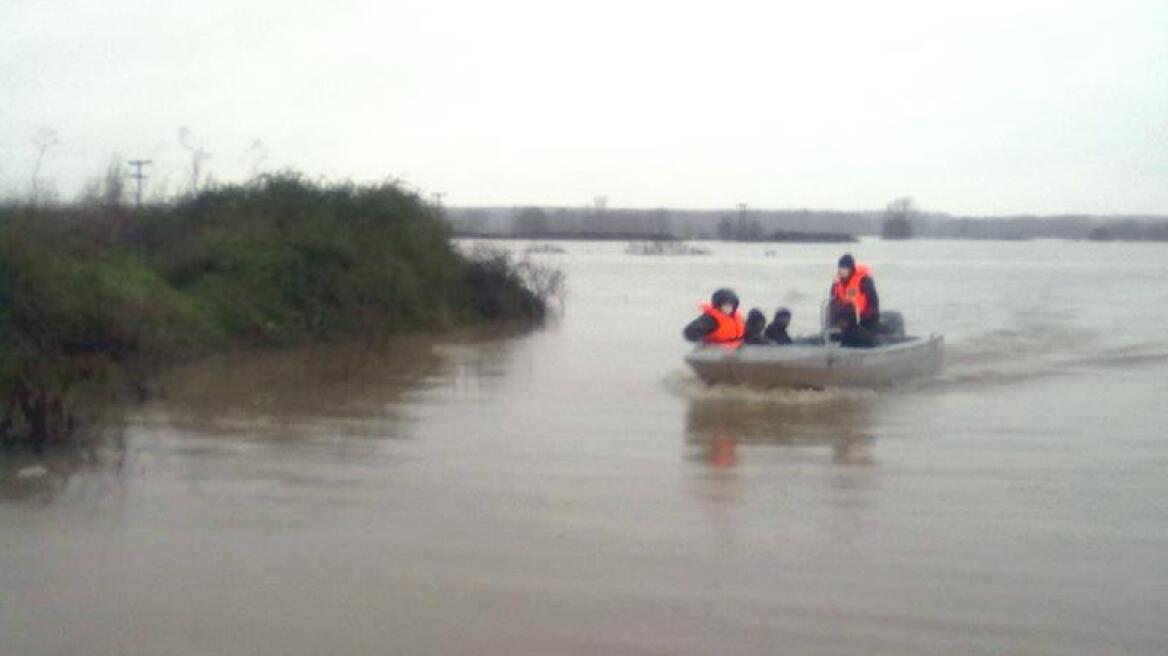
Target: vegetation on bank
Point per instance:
(901, 219)
(95, 297)
(1131, 231)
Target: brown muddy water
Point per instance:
(577, 491)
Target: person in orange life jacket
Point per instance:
(855, 305)
(777, 331)
(720, 322)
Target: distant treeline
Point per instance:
(629, 224)
(795, 225)
(95, 297)
(1131, 231)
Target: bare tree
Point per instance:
(740, 229)
(109, 189)
(531, 222)
(199, 157)
(42, 140)
(726, 229)
(255, 155)
(898, 218)
(600, 220)
(661, 222)
(114, 187)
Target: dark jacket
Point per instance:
(777, 334)
(755, 323)
(697, 329)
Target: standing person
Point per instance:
(855, 306)
(777, 331)
(720, 322)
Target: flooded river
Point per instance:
(576, 491)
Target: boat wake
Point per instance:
(1003, 359)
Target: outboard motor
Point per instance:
(891, 325)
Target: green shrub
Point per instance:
(95, 297)
(69, 322)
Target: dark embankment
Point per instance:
(95, 298)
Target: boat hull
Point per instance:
(818, 365)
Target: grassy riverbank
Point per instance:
(95, 297)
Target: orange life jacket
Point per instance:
(730, 330)
(849, 291)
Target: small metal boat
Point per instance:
(820, 362)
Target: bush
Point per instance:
(68, 323)
(499, 288)
(94, 297)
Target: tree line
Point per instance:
(901, 218)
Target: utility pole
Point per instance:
(139, 176)
(744, 231)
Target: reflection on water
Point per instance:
(39, 479)
(325, 392)
(854, 449)
(351, 389)
(769, 449)
(719, 420)
(343, 388)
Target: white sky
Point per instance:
(973, 108)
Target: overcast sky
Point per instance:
(972, 108)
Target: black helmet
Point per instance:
(724, 296)
(848, 261)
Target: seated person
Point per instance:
(755, 323)
(851, 332)
(720, 322)
(855, 306)
(777, 331)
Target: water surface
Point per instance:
(576, 491)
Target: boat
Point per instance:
(820, 361)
